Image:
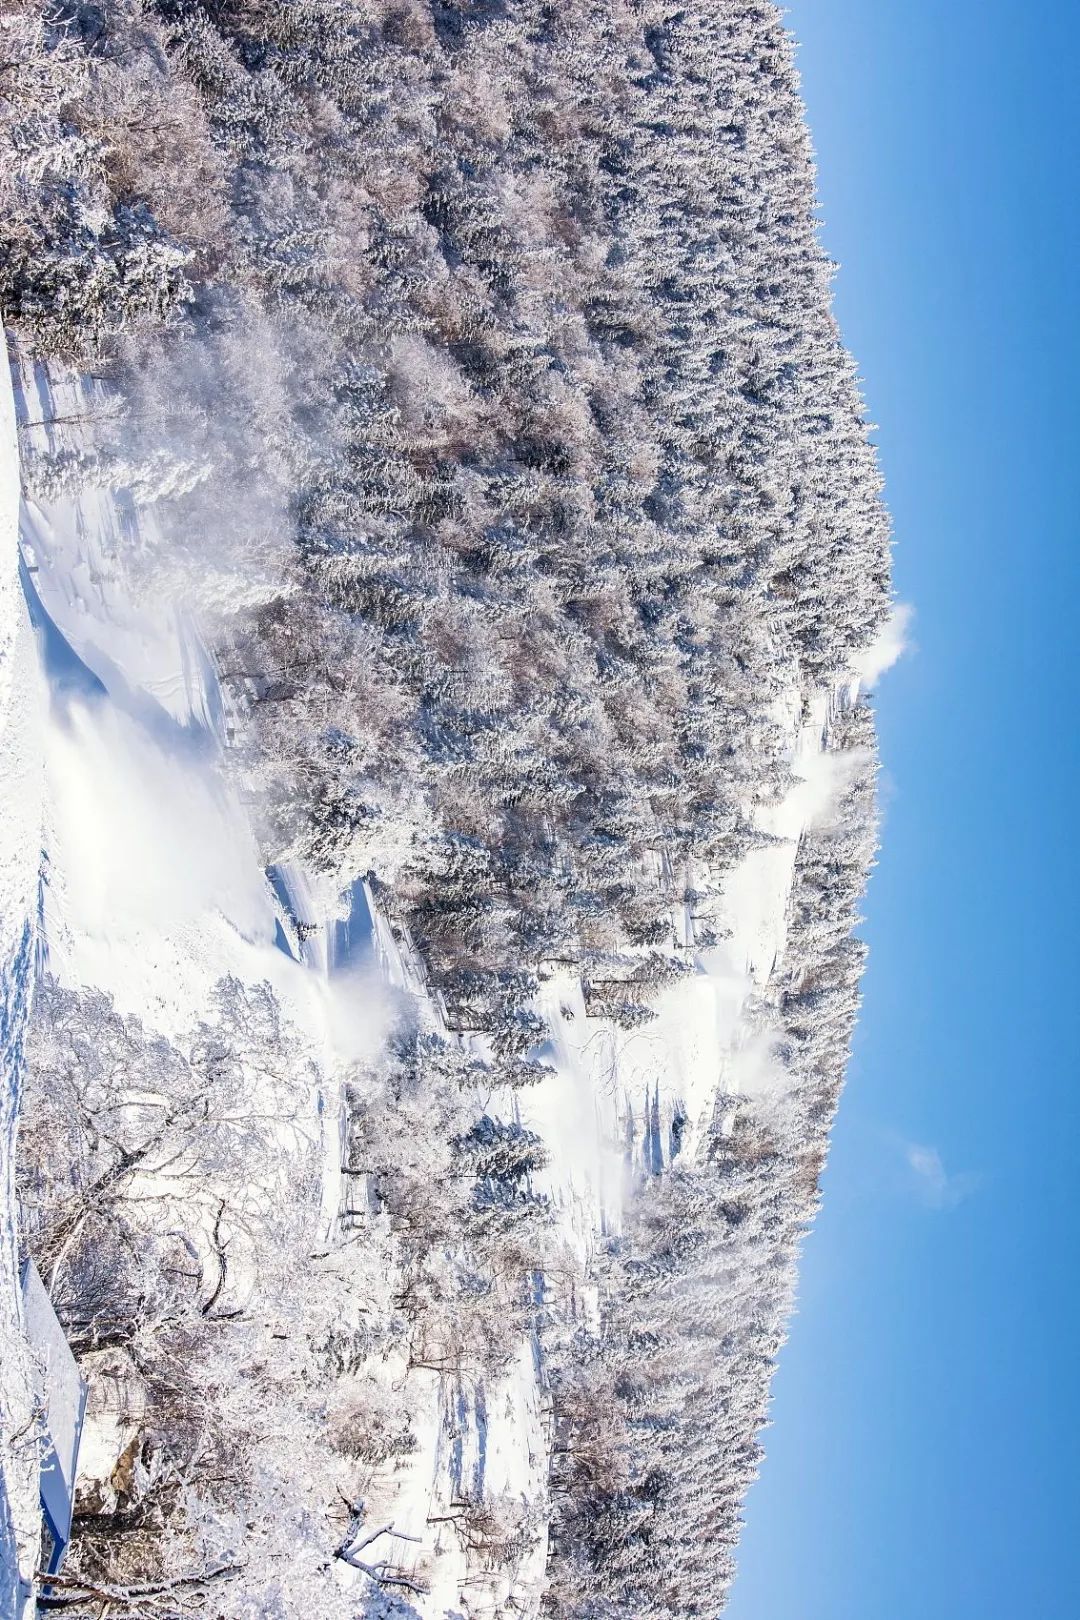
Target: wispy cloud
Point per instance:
(890, 643)
(936, 1187)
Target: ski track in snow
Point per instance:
(153, 891)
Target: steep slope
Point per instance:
(477, 528)
(21, 772)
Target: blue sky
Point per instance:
(925, 1454)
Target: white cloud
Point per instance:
(890, 643)
(935, 1186)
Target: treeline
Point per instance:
(523, 308)
(477, 358)
(660, 1416)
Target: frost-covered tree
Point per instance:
(477, 361)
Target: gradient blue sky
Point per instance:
(923, 1463)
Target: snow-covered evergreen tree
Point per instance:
(478, 361)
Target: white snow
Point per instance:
(154, 891)
(21, 777)
(608, 1110)
(153, 883)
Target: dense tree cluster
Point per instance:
(470, 1233)
(542, 378)
(477, 359)
(698, 1292)
(170, 1194)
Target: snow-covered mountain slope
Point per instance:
(454, 785)
(153, 892)
(153, 884)
(21, 773)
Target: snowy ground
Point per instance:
(112, 735)
(21, 776)
(152, 890)
(620, 1104)
(125, 860)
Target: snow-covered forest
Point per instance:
(443, 569)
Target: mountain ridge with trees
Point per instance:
(476, 361)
